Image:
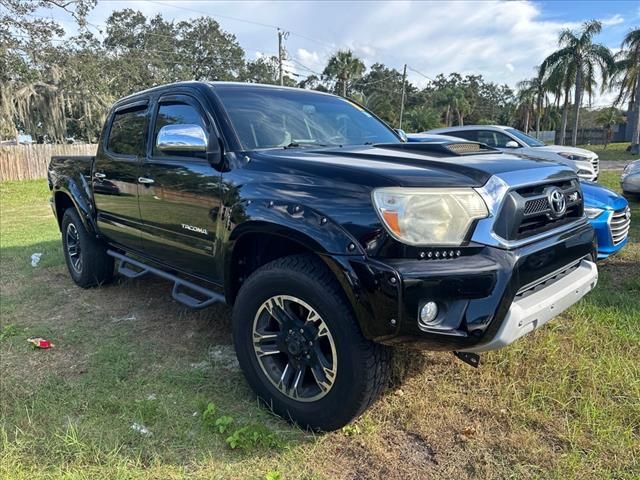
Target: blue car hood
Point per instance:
(597, 196)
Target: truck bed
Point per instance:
(75, 166)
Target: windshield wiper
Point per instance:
(304, 144)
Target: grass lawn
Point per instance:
(614, 151)
(561, 403)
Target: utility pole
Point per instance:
(281, 37)
(404, 82)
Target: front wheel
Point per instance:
(300, 347)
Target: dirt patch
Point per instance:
(622, 274)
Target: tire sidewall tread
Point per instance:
(362, 365)
(97, 266)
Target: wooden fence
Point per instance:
(26, 162)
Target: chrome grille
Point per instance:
(526, 211)
(619, 225)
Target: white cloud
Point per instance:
(503, 41)
(311, 60)
(616, 19)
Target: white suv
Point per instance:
(584, 162)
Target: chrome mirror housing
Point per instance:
(182, 138)
(401, 133)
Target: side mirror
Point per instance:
(182, 138)
(512, 144)
(402, 134)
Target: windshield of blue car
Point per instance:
(532, 142)
(274, 117)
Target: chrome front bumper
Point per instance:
(532, 311)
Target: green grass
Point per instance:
(614, 151)
(561, 403)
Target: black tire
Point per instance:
(94, 267)
(362, 367)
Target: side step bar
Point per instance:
(131, 268)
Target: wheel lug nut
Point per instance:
(302, 330)
(311, 344)
(290, 331)
(308, 357)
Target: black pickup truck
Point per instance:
(332, 238)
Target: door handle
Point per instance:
(145, 181)
(99, 176)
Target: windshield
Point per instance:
(532, 142)
(272, 117)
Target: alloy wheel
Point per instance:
(294, 348)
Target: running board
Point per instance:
(182, 291)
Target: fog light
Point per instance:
(428, 313)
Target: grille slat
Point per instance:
(547, 280)
(619, 225)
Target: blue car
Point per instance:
(610, 216)
(607, 211)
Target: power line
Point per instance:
(243, 20)
(420, 73)
(304, 66)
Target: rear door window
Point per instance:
(128, 132)
(471, 135)
(493, 139)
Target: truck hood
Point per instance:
(561, 148)
(597, 196)
(406, 164)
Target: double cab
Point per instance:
(332, 238)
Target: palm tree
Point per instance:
(626, 77)
(583, 58)
(538, 90)
(526, 99)
(344, 67)
(608, 117)
(559, 81)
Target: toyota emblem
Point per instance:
(557, 202)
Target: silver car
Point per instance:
(630, 179)
(584, 162)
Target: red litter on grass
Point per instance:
(40, 342)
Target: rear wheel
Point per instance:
(300, 347)
(86, 256)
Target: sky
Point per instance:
(503, 41)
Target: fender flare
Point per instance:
(79, 192)
(306, 224)
(308, 227)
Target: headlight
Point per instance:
(573, 156)
(429, 216)
(592, 212)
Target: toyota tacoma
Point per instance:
(332, 238)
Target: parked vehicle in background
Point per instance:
(610, 216)
(630, 179)
(584, 162)
(608, 212)
(331, 237)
